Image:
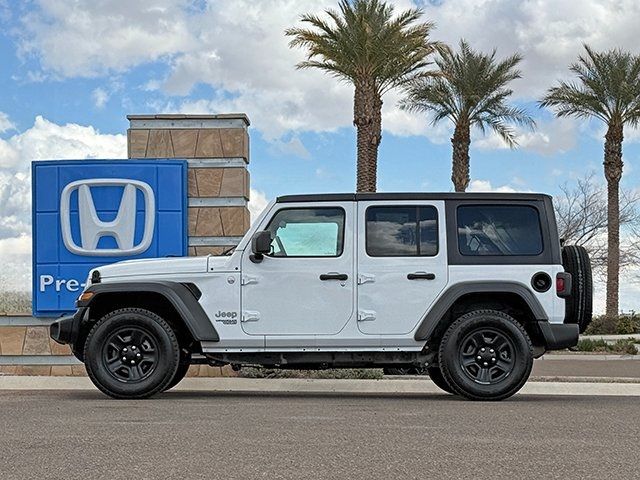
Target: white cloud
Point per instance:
(15, 253)
(48, 140)
(100, 97)
(88, 39)
(239, 49)
(43, 141)
(293, 147)
(486, 186)
(550, 137)
(548, 33)
(257, 202)
(5, 123)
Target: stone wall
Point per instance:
(217, 149)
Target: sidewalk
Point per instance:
(407, 386)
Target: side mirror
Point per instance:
(260, 245)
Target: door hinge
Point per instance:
(250, 316)
(364, 278)
(366, 315)
(247, 279)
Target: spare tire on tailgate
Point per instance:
(579, 305)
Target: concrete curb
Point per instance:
(611, 338)
(587, 356)
(323, 386)
(544, 379)
(575, 379)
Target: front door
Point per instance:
(305, 286)
(402, 264)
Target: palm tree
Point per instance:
(365, 44)
(608, 88)
(470, 89)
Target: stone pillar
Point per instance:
(217, 150)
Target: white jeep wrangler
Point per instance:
(471, 287)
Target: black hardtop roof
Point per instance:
(354, 197)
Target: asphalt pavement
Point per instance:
(215, 435)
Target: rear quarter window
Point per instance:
(499, 230)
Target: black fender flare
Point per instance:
(435, 314)
(179, 295)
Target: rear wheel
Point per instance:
(486, 355)
(131, 353)
(436, 377)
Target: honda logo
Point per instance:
(122, 229)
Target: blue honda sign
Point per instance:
(88, 213)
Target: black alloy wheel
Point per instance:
(131, 353)
(485, 355)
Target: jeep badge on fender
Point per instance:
(228, 318)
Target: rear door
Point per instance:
(402, 263)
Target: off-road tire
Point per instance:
(159, 353)
(507, 348)
(435, 375)
(579, 305)
(181, 372)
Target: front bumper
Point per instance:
(66, 329)
(558, 336)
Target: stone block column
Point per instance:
(216, 148)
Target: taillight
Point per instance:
(563, 284)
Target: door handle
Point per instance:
(421, 276)
(334, 276)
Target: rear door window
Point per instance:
(402, 231)
(502, 230)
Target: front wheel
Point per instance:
(131, 353)
(181, 372)
(486, 355)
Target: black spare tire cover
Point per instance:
(579, 305)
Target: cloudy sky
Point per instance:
(72, 71)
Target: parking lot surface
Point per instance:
(82, 434)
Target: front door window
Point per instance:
(307, 232)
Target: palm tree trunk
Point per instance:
(367, 118)
(460, 165)
(613, 173)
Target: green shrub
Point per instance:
(628, 325)
(601, 325)
(590, 345)
(624, 346)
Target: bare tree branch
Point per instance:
(581, 211)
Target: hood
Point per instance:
(154, 266)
